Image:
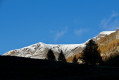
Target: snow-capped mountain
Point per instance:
(102, 34)
(39, 50)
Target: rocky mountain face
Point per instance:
(40, 49)
(109, 46)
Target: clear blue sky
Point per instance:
(25, 22)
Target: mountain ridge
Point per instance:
(40, 50)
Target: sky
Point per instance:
(26, 22)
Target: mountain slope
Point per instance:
(109, 46)
(40, 49)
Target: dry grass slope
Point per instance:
(106, 45)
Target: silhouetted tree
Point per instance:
(74, 59)
(61, 57)
(91, 55)
(50, 55)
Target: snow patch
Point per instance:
(107, 32)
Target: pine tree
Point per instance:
(74, 59)
(91, 55)
(61, 57)
(50, 55)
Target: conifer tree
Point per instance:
(61, 57)
(74, 59)
(50, 55)
(91, 55)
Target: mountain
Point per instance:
(39, 50)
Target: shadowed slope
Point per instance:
(17, 68)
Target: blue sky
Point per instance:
(25, 22)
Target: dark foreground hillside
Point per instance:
(17, 68)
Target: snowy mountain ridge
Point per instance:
(36, 50)
(39, 50)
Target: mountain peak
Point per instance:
(40, 50)
(107, 32)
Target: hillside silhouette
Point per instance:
(19, 68)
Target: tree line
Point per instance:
(90, 55)
(51, 56)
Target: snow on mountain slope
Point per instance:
(107, 32)
(40, 49)
(102, 34)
